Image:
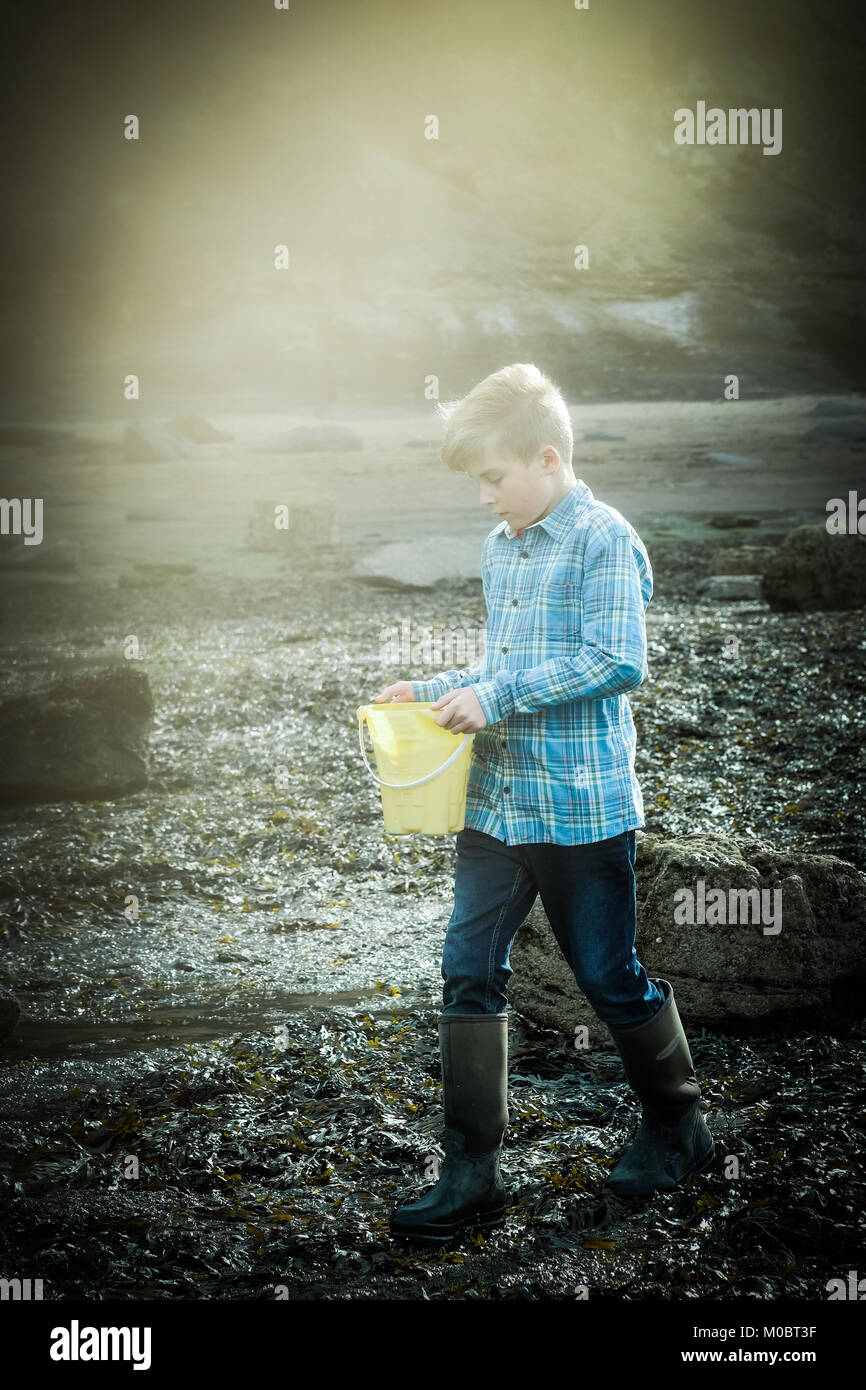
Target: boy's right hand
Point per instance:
(401, 691)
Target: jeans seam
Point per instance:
(491, 954)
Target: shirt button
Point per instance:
(524, 554)
(505, 649)
(504, 744)
(514, 603)
(506, 790)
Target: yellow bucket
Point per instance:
(421, 774)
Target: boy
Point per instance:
(552, 800)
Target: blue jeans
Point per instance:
(588, 893)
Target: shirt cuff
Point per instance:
(493, 700)
(427, 690)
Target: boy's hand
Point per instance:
(463, 714)
(401, 691)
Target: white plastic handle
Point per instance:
(402, 786)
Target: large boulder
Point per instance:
(152, 441)
(158, 441)
(200, 431)
(792, 957)
(729, 587)
(422, 563)
(83, 737)
(813, 569)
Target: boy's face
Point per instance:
(517, 492)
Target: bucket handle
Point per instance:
(402, 786)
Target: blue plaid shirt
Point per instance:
(565, 640)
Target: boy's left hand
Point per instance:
(463, 714)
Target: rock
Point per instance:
(824, 408)
(813, 570)
(728, 521)
(154, 441)
(740, 559)
(809, 973)
(200, 431)
(831, 430)
(422, 563)
(61, 557)
(306, 439)
(723, 461)
(729, 586)
(312, 523)
(10, 1012)
(150, 442)
(81, 738)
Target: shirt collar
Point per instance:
(561, 520)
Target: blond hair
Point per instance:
(514, 412)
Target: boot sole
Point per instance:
(439, 1234)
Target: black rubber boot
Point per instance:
(673, 1140)
(470, 1193)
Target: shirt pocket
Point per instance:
(559, 615)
